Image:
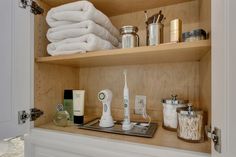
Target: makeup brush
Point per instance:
(146, 16)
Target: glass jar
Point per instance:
(195, 35)
(190, 124)
(186, 36)
(61, 118)
(129, 36)
(169, 112)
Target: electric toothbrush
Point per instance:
(126, 123)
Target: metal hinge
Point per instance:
(35, 8)
(215, 135)
(23, 116)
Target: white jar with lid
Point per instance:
(169, 112)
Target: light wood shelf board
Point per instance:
(175, 52)
(110, 8)
(162, 137)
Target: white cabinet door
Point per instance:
(15, 66)
(231, 114)
(224, 74)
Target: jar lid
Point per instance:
(189, 111)
(60, 107)
(186, 35)
(198, 32)
(128, 29)
(174, 101)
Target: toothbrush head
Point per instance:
(125, 72)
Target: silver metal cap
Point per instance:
(174, 101)
(128, 29)
(189, 110)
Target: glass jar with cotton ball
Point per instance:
(170, 106)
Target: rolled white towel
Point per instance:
(77, 12)
(88, 42)
(78, 29)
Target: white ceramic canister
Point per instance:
(170, 121)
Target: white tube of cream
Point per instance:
(78, 106)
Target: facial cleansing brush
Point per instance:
(105, 96)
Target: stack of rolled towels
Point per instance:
(79, 27)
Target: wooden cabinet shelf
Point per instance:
(173, 52)
(110, 8)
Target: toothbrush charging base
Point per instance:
(127, 126)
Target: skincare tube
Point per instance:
(78, 106)
(68, 103)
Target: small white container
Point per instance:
(170, 121)
(176, 30)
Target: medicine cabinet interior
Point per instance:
(154, 71)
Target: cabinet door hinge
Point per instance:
(35, 8)
(215, 136)
(23, 116)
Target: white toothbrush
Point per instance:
(126, 123)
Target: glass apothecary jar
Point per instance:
(169, 112)
(129, 36)
(190, 124)
(62, 117)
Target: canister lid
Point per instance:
(198, 32)
(189, 110)
(128, 29)
(186, 35)
(174, 101)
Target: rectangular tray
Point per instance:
(137, 130)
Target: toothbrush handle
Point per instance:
(126, 112)
(126, 105)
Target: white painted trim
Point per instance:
(226, 47)
(32, 57)
(95, 146)
(223, 68)
(28, 147)
(230, 47)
